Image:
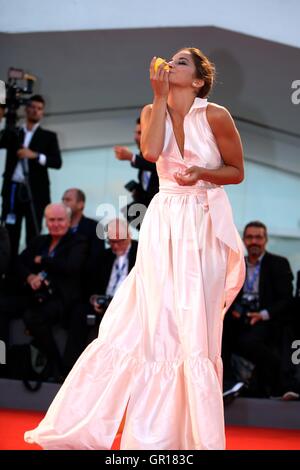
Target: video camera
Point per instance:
(16, 93)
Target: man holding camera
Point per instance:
(253, 324)
(148, 185)
(49, 270)
(105, 274)
(31, 150)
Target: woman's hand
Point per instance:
(159, 80)
(188, 177)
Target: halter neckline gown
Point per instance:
(158, 353)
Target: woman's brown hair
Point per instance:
(205, 70)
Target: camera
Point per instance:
(44, 293)
(248, 303)
(132, 185)
(102, 301)
(16, 94)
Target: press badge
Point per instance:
(11, 219)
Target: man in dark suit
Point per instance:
(31, 150)
(49, 270)
(74, 198)
(104, 273)
(148, 185)
(253, 324)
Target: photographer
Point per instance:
(50, 270)
(148, 185)
(105, 273)
(31, 150)
(253, 325)
(74, 198)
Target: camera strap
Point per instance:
(11, 216)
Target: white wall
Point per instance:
(268, 194)
(269, 19)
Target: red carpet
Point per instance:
(13, 423)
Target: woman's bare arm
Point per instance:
(153, 116)
(230, 147)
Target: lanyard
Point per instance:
(12, 196)
(250, 281)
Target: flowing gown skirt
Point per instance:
(159, 346)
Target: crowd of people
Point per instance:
(68, 277)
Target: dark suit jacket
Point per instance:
(4, 250)
(43, 141)
(99, 269)
(275, 285)
(64, 269)
(144, 165)
(92, 230)
(87, 227)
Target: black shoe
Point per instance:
(230, 394)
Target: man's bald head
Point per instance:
(58, 219)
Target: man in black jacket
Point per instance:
(74, 198)
(31, 150)
(104, 272)
(148, 185)
(49, 270)
(253, 325)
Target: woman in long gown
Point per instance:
(158, 353)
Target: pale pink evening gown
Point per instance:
(158, 352)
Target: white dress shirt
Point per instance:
(18, 175)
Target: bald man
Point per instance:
(50, 269)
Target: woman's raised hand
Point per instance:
(159, 79)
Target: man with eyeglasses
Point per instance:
(253, 325)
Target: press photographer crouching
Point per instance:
(50, 268)
(104, 273)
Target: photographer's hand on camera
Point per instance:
(98, 309)
(34, 281)
(254, 317)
